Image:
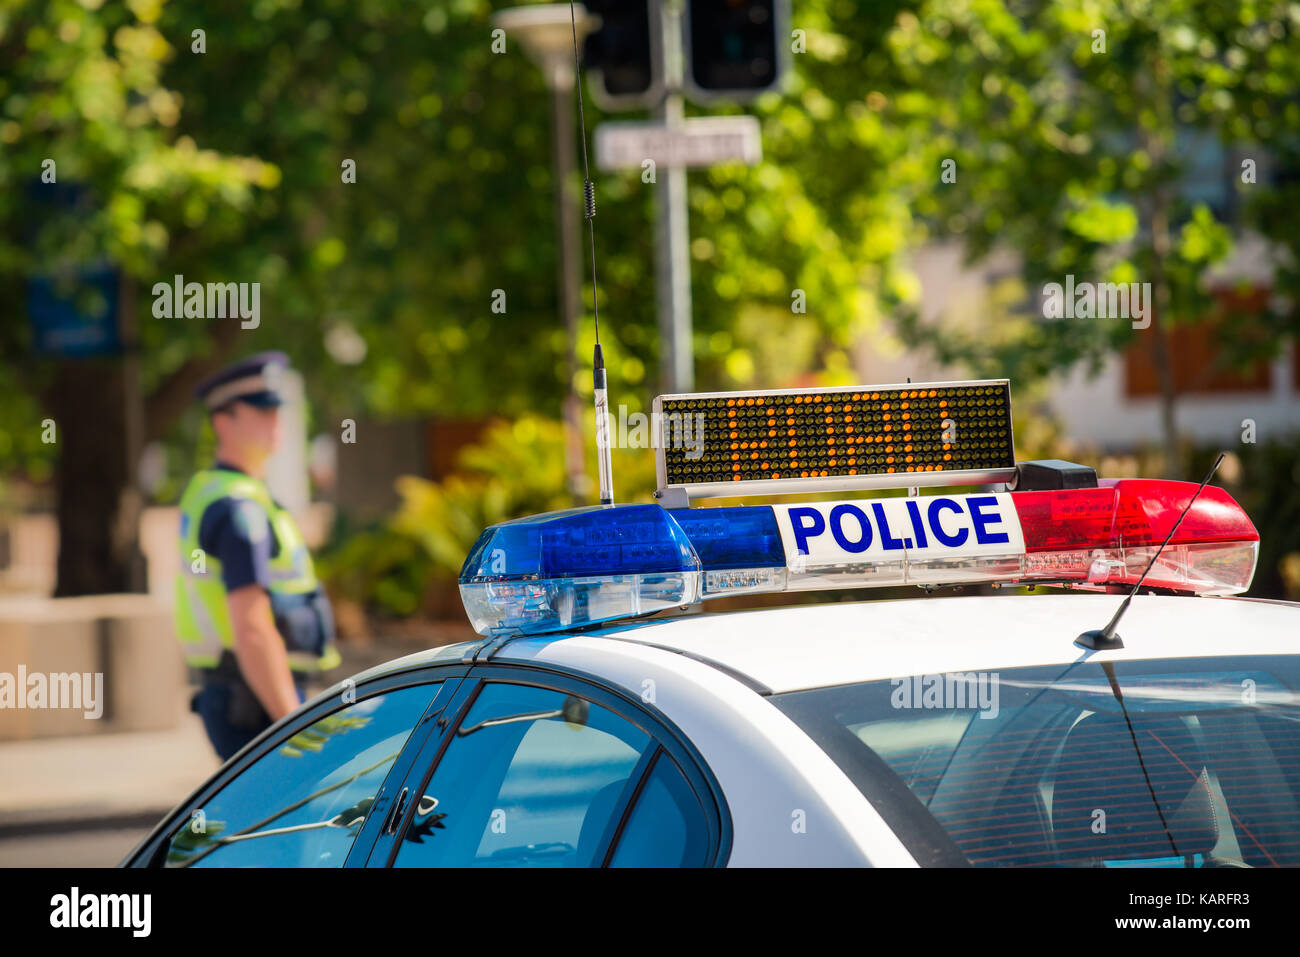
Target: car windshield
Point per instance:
(1157, 763)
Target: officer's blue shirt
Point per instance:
(237, 532)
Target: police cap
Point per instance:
(255, 380)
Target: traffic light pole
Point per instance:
(672, 225)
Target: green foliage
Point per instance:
(186, 842)
(316, 736)
(1074, 126)
(226, 165)
(515, 470)
(1267, 485)
(377, 568)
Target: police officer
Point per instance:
(250, 613)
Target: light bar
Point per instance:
(803, 440)
(568, 569)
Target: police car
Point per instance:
(605, 718)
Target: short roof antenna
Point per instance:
(1106, 638)
(599, 382)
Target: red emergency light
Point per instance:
(1106, 536)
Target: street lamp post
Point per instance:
(546, 34)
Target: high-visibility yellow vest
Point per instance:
(201, 612)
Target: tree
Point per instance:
(382, 173)
(1072, 126)
(93, 174)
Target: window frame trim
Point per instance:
(359, 854)
(627, 799)
(383, 851)
(147, 853)
(663, 734)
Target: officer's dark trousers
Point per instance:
(231, 713)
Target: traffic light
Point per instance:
(618, 55)
(733, 46)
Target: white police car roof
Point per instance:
(811, 646)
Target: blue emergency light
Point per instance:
(587, 565)
(571, 568)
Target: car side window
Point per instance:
(667, 826)
(302, 804)
(531, 777)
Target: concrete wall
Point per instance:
(34, 547)
(1096, 410)
(124, 643)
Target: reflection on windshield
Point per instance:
(1177, 763)
(303, 804)
(530, 779)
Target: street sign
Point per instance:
(694, 142)
(75, 314)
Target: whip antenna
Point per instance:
(599, 380)
(1106, 637)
